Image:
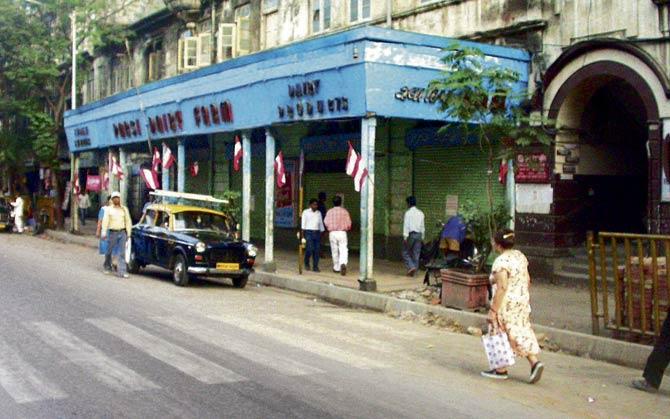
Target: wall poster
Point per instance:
(285, 198)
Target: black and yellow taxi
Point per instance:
(191, 240)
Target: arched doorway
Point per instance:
(606, 155)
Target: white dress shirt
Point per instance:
(312, 220)
(414, 222)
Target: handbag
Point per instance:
(498, 350)
(102, 247)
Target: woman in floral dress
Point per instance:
(510, 307)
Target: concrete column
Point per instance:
(270, 265)
(74, 202)
(123, 183)
(165, 176)
(368, 136)
(246, 186)
(181, 165)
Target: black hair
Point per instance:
(337, 200)
(411, 201)
(313, 201)
(504, 238)
(322, 196)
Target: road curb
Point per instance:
(579, 344)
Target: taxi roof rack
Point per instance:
(173, 197)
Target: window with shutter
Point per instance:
(320, 15)
(190, 53)
(242, 20)
(204, 49)
(225, 44)
(359, 10)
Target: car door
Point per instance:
(142, 241)
(161, 238)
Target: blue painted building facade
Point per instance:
(366, 85)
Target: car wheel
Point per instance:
(133, 265)
(180, 274)
(240, 282)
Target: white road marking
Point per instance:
(240, 348)
(91, 359)
(23, 382)
(301, 342)
(185, 361)
(338, 334)
(349, 319)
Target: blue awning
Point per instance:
(345, 75)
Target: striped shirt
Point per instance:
(338, 219)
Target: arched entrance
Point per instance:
(607, 150)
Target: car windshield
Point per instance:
(195, 220)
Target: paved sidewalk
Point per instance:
(559, 306)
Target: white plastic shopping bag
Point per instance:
(128, 249)
(498, 350)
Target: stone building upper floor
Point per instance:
(171, 37)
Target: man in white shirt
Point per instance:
(413, 231)
(84, 205)
(18, 213)
(312, 227)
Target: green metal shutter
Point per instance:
(441, 171)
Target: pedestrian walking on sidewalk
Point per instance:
(116, 226)
(104, 243)
(657, 362)
(413, 231)
(510, 307)
(338, 222)
(312, 227)
(18, 205)
(84, 205)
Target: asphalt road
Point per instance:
(77, 343)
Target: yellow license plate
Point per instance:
(228, 266)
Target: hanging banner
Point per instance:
(285, 200)
(93, 183)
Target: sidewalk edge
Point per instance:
(579, 344)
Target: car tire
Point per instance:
(133, 265)
(241, 281)
(180, 274)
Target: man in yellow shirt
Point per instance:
(117, 224)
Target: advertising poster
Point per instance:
(285, 199)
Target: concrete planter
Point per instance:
(464, 290)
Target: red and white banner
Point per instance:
(168, 157)
(117, 170)
(77, 187)
(237, 154)
(502, 172)
(105, 180)
(280, 170)
(194, 169)
(156, 161)
(356, 168)
(150, 178)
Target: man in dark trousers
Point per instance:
(657, 361)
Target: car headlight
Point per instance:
(200, 247)
(252, 251)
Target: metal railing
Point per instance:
(630, 270)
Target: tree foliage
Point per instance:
(485, 100)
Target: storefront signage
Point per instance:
(166, 123)
(213, 114)
(532, 168)
(309, 106)
(418, 94)
(127, 129)
(81, 137)
(93, 183)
